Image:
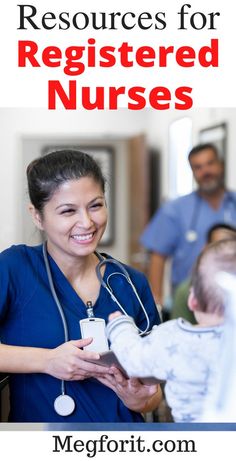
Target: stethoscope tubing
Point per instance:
(102, 261)
(64, 404)
(124, 273)
(58, 304)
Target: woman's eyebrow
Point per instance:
(65, 204)
(99, 197)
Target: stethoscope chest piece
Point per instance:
(64, 405)
(191, 236)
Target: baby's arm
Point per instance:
(141, 357)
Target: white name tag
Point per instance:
(94, 328)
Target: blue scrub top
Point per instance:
(166, 233)
(29, 317)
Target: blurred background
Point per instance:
(143, 154)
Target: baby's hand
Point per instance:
(114, 315)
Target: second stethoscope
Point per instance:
(64, 405)
(191, 235)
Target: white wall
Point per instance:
(24, 131)
(18, 125)
(158, 131)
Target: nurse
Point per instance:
(66, 190)
(179, 228)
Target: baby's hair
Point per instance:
(216, 257)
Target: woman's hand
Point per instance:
(132, 392)
(70, 362)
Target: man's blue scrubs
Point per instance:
(168, 232)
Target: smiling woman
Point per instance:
(45, 291)
(74, 219)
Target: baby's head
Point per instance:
(220, 231)
(206, 296)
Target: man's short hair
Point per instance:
(216, 257)
(200, 147)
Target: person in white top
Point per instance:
(185, 356)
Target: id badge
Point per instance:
(94, 328)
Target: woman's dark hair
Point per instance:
(45, 174)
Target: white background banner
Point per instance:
(27, 87)
(134, 445)
(155, 25)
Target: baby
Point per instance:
(183, 355)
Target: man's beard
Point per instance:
(212, 186)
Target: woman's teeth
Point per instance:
(82, 238)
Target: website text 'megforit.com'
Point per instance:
(133, 444)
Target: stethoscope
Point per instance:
(64, 405)
(123, 273)
(191, 234)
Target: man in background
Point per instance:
(179, 228)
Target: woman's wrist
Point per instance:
(42, 360)
(19, 359)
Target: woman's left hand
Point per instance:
(132, 392)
